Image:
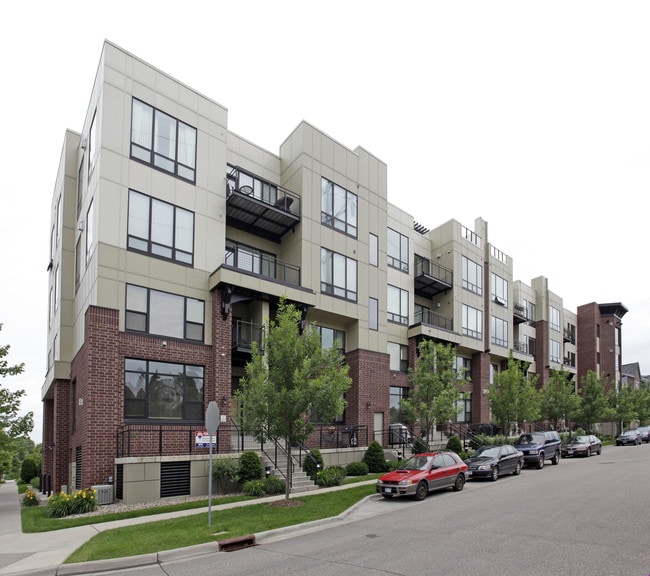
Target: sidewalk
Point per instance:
(43, 554)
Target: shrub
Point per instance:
(273, 485)
(29, 469)
(58, 505)
(313, 463)
(356, 469)
(83, 501)
(30, 498)
(454, 444)
(254, 488)
(375, 458)
(250, 466)
(330, 477)
(393, 464)
(35, 482)
(226, 472)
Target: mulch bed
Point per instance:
(286, 503)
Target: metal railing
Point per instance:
(261, 264)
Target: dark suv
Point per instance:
(540, 446)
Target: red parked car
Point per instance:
(423, 473)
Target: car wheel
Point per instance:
(421, 491)
(556, 459)
(459, 483)
(600, 449)
(588, 452)
(495, 474)
(517, 469)
(540, 462)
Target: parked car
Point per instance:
(645, 433)
(423, 473)
(540, 446)
(629, 437)
(494, 461)
(399, 434)
(584, 445)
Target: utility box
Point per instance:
(104, 493)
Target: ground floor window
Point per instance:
(162, 391)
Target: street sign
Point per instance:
(204, 440)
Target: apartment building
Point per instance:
(173, 240)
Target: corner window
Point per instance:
(472, 276)
(499, 293)
(472, 322)
(398, 305)
(554, 318)
(160, 229)
(163, 391)
(499, 332)
(162, 141)
(164, 314)
(338, 208)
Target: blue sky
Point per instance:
(532, 116)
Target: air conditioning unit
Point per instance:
(103, 493)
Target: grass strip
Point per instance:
(192, 530)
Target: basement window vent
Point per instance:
(174, 479)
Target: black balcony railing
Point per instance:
(431, 278)
(519, 313)
(245, 333)
(261, 264)
(433, 319)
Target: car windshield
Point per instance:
(530, 438)
(416, 463)
(629, 433)
(580, 440)
(487, 452)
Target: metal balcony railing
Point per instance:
(433, 319)
(261, 264)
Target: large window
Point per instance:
(499, 331)
(164, 314)
(93, 145)
(330, 337)
(556, 351)
(162, 391)
(90, 230)
(398, 250)
(399, 355)
(499, 290)
(338, 208)
(472, 322)
(163, 141)
(338, 275)
(396, 395)
(373, 250)
(398, 305)
(373, 313)
(554, 319)
(472, 276)
(160, 229)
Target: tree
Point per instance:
(513, 396)
(623, 404)
(593, 405)
(292, 381)
(436, 386)
(559, 401)
(12, 424)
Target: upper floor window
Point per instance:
(250, 259)
(556, 351)
(338, 275)
(373, 250)
(398, 305)
(93, 145)
(80, 185)
(499, 331)
(373, 314)
(163, 391)
(472, 276)
(160, 229)
(331, 337)
(398, 250)
(90, 230)
(338, 208)
(554, 318)
(472, 322)
(399, 354)
(499, 290)
(463, 367)
(531, 310)
(163, 141)
(164, 314)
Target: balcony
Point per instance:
(260, 207)
(244, 334)
(519, 313)
(430, 278)
(569, 336)
(519, 346)
(246, 259)
(433, 319)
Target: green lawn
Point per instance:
(194, 529)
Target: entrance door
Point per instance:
(378, 426)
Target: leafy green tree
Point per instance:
(12, 424)
(594, 405)
(513, 396)
(290, 381)
(643, 403)
(436, 386)
(558, 399)
(623, 405)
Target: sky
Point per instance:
(534, 116)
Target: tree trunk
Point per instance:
(287, 489)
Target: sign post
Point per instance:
(211, 424)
